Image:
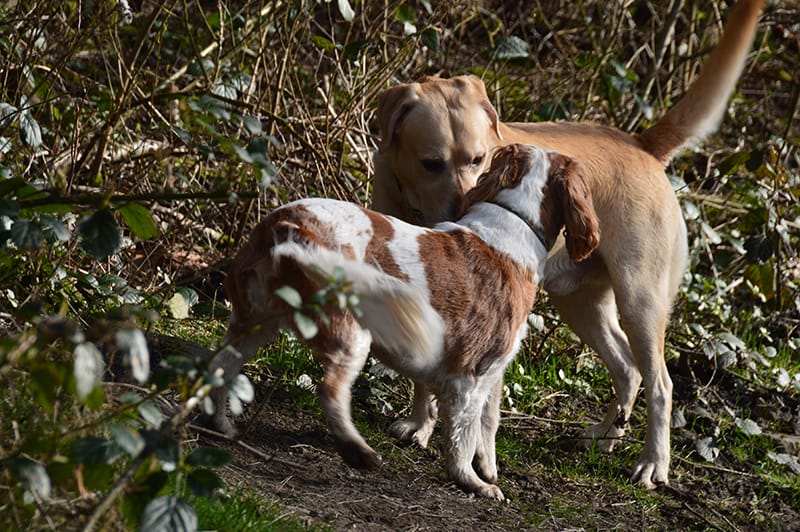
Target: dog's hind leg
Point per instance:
(241, 344)
(343, 348)
(461, 402)
(485, 461)
(591, 312)
(418, 427)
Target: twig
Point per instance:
(101, 508)
(253, 450)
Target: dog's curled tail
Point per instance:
(397, 314)
(701, 109)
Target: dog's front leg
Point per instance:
(462, 407)
(418, 427)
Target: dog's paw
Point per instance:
(408, 431)
(358, 456)
(604, 438)
(224, 425)
(650, 474)
(491, 491)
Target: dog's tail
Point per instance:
(700, 110)
(397, 314)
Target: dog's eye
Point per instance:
(434, 166)
(477, 160)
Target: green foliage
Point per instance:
(138, 147)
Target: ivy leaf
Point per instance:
(139, 220)
(150, 413)
(305, 325)
(95, 451)
(29, 129)
(127, 438)
(346, 10)
(7, 114)
(208, 457)
(33, 475)
(707, 448)
(748, 426)
(243, 388)
(178, 306)
(430, 38)
(56, 226)
(133, 342)
(290, 295)
(168, 513)
(203, 482)
(788, 460)
(511, 48)
(100, 236)
(87, 369)
(26, 234)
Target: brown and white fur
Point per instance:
(446, 306)
(436, 136)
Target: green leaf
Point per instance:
(169, 453)
(290, 295)
(95, 451)
(100, 234)
(748, 426)
(707, 448)
(7, 114)
(243, 388)
(29, 129)
(59, 229)
(203, 482)
(88, 369)
(178, 306)
(139, 220)
(27, 235)
(252, 124)
(731, 163)
(323, 43)
(346, 10)
(150, 413)
(430, 38)
(168, 513)
(33, 475)
(45, 382)
(405, 14)
(511, 48)
(305, 325)
(127, 438)
(208, 457)
(133, 342)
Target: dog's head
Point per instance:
(547, 189)
(436, 139)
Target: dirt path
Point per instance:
(410, 491)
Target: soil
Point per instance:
(287, 454)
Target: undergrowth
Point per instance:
(140, 141)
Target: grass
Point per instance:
(244, 509)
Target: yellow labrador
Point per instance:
(437, 137)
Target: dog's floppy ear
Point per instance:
(478, 85)
(582, 229)
(506, 171)
(393, 104)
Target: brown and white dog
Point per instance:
(445, 306)
(436, 136)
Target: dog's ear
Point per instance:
(478, 85)
(582, 229)
(505, 171)
(393, 104)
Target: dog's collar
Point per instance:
(537, 231)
